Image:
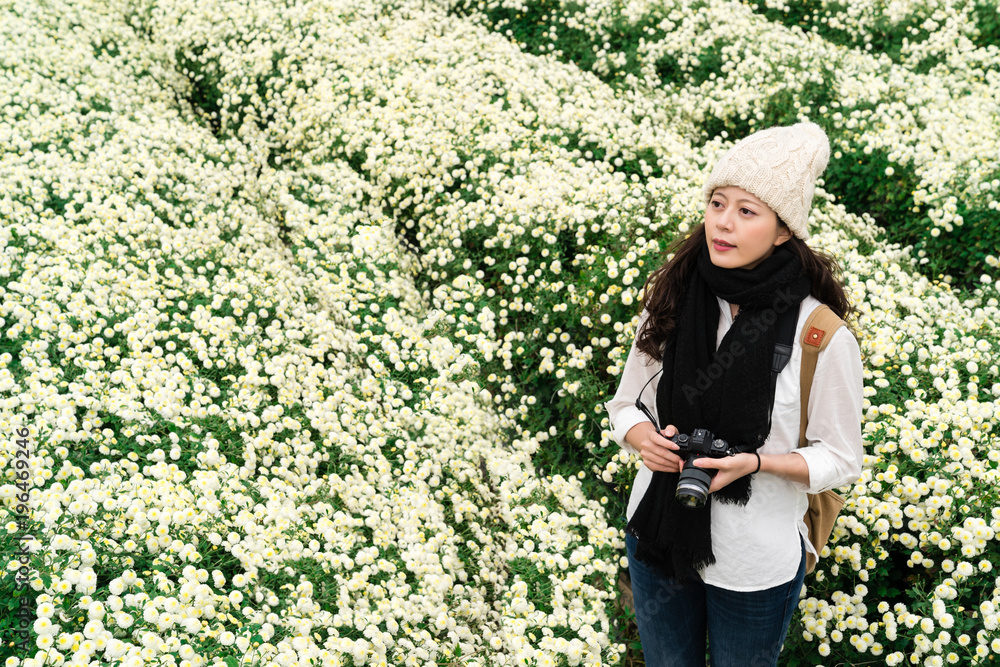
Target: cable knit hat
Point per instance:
(779, 166)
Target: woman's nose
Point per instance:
(724, 221)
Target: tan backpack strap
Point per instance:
(816, 333)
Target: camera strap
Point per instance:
(785, 329)
(783, 346)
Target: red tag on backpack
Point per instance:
(815, 336)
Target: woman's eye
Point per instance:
(746, 211)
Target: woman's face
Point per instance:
(740, 229)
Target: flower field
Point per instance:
(309, 310)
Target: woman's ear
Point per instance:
(784, 234)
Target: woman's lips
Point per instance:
(722, 246)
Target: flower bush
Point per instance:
(906, 92)
(254, 443)
(310, 309)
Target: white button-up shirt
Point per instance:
(756, 545)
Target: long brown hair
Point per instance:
(664, 288)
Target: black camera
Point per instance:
(692, 487)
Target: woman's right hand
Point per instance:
(658, 452)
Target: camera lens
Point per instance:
(692, 487)
(691, 495)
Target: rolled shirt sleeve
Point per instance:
(622, 412)
(835, 452)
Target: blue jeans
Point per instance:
(743, 629)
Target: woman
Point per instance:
(731, 572)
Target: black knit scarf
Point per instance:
(727, 391)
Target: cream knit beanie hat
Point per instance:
(778, 165)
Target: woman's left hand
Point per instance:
(729, 468)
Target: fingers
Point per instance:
(740, 465)
(657, 452)
(729, 469)
(717, 464)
